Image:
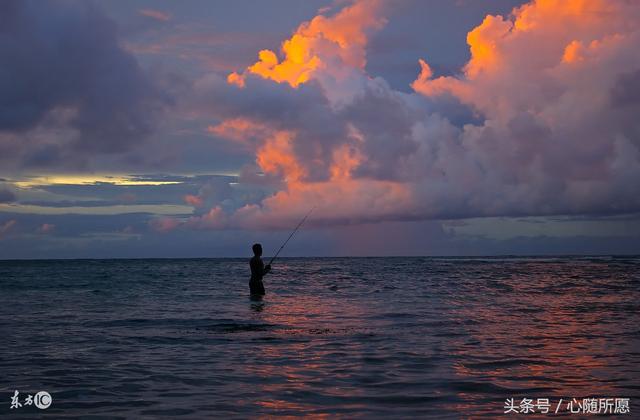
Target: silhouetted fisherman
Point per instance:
(258, 270)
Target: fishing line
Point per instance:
(292, 233)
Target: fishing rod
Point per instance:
(292, 233)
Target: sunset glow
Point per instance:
(527, 111)
(369, 209)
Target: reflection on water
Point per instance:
(369, 337)
(257, 306)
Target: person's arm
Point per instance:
(267, 269)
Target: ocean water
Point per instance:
(335, 337)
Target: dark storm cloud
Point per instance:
(63, 67)
(278, 104)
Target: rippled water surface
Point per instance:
(343, 337)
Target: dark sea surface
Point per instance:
(339, 337)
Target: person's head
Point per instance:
(257, 249)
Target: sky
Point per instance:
(194, 129)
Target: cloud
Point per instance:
(540, 121)
(6, 227)
(324, 45)
(46, 228)
(547, 80)
(127, 236)
(68, 90)
(163, 224)
(193, 200)
(156, 14)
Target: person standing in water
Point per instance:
(258, 270)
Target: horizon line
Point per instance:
(633, 255)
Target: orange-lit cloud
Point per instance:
(573, 52)
(276, 156)
(322, 44)
(549, 121)
(518, 61)
(242, 130)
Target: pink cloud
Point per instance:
(6, 227)
(46, 228)
(193, 200)
(213, 219)
(164, 224)
(155, 14)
